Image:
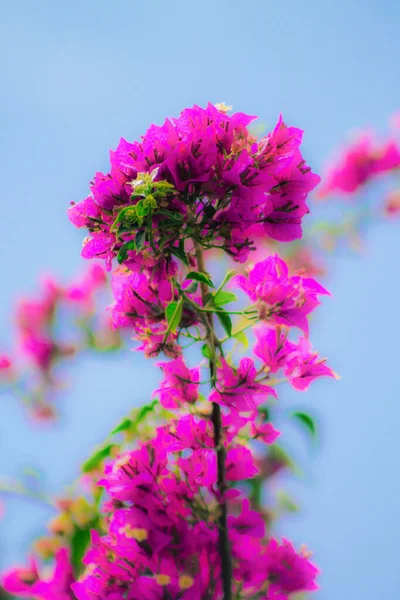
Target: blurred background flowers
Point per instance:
(77, 77)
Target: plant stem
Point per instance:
(224, 546)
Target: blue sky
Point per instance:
(77, 76)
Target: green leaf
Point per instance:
(221, 298)
(202, 277)
(123, 251)
(143, 412)
(173, 313)
(281, 456)
(125, 424)
(264, 412)
(206, 352)
(192, 288)
(286, 502)
(141, 209)
(241, 337)
(127, 216)
(225, 321)
(140, 239)
(180, 253)
(94, 461)
(79, 544)
(307, 421)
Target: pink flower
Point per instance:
(180, 384)
(238, 388)
(240, 464)
(27, 583)
(249, 522)
(272, 346)
(303, 366)
(217, 169)
(6, 367)
(265, 432)
(82, 292)
(392, 204)
(282, 299)
(362, 161)
(288, 571)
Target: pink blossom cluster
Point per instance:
(162, 538)
(361, 162)
(222, 181)
(281, 299)
(42, 341)
(178, 524)
(140, 303)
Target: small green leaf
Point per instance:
(141, 209)
(79, 544)
(123, 251)
(307, 421)
(94, 461)
(179, 252)
(125, 424)
(221, 298)
(202, 277)
(206, 352)
(173, 313)
(126, 216)
(140, 239)
(264, 412)
(241, 337)
(286, 502)
(192, 288)
(280, 455)
(143, 412)
(225, 321)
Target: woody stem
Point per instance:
(223, 540)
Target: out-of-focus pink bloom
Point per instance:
(392, 204)
(180, 384)
(265, 432)
(6, 368)
(288, 571)
(27, 583)
(361, 161)
(82, 292)
(303, 366)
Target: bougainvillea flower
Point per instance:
(180, 384)
(304, 365)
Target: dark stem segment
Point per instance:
(223, 540)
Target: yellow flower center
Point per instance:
(163, 579)
(185, 582)
(134, 533)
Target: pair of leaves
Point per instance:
(131, 423)
(127, 423)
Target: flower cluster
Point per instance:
(177, 527)
(162, 539)
(202, 175)
(43, 341)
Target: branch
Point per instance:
(224, 546)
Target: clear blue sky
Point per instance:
(75, 76)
